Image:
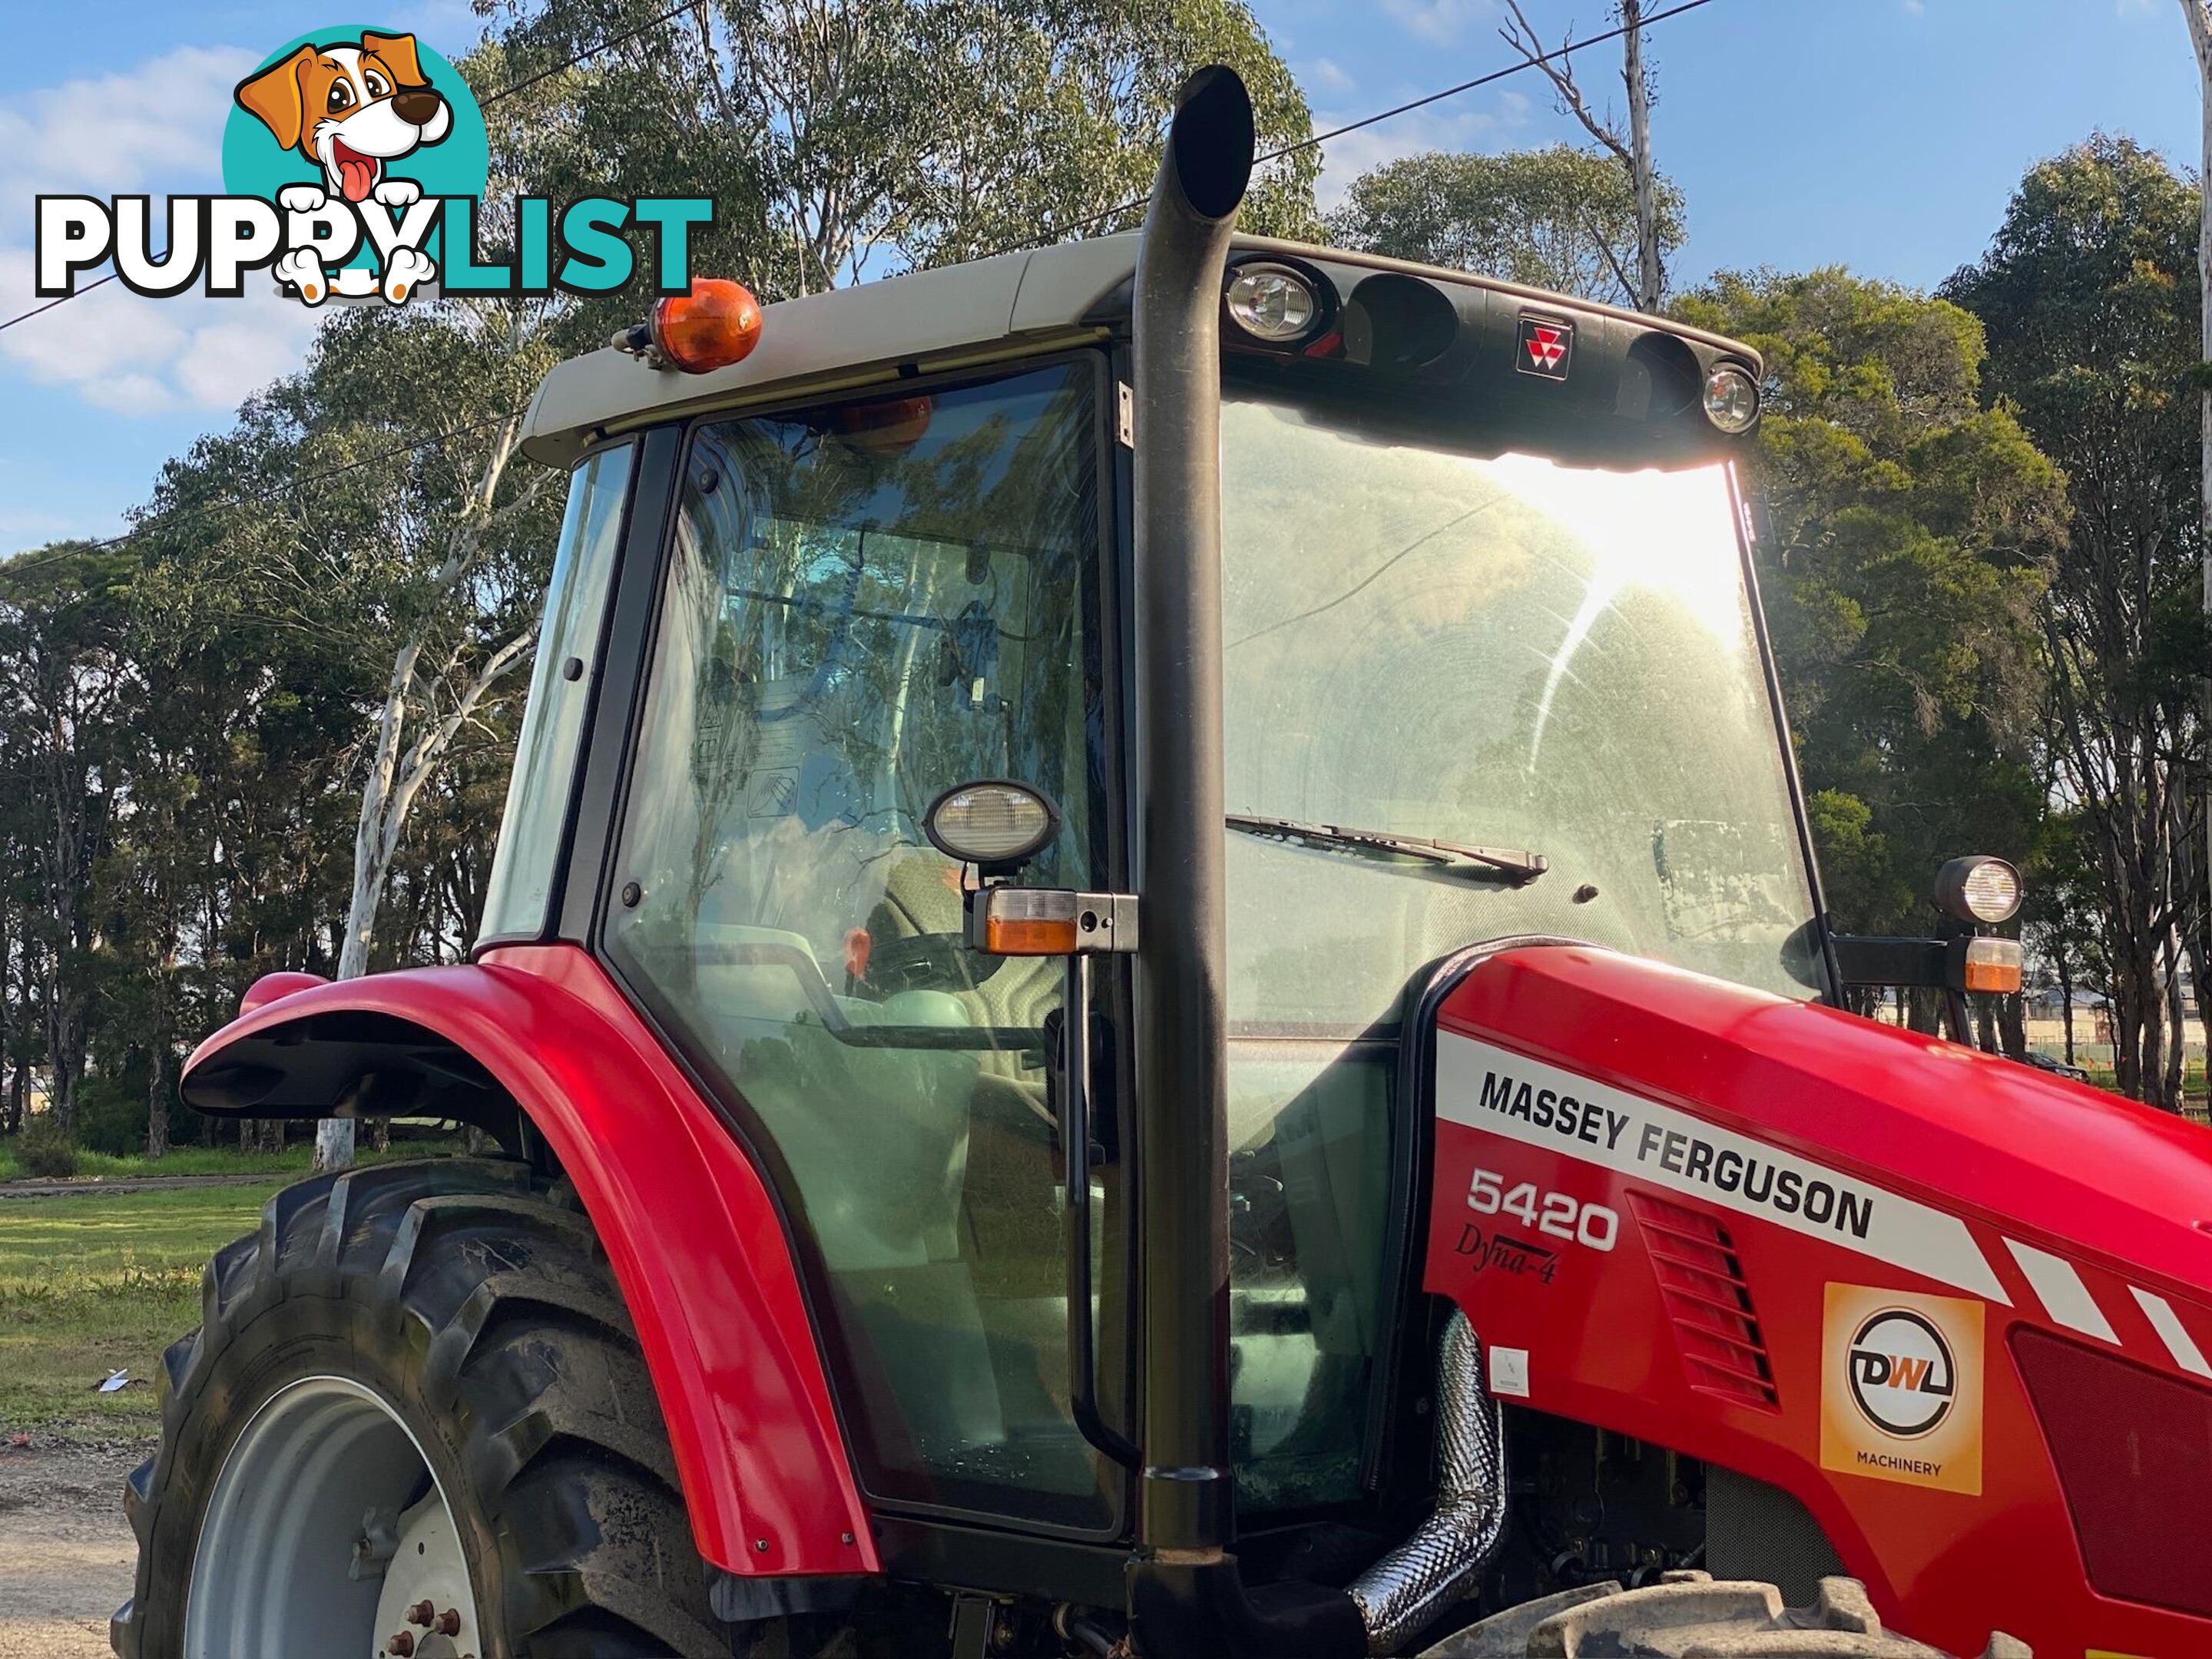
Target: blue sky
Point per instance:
(1885, 135)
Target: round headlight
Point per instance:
(1731, 399)
(990, 822)
(1983, 890)
(1272, 302)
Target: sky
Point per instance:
(1883, 135)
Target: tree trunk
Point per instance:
(2066, 1000)
(373, 834)
(2200, 962)
(1650, 279)
(2200, 35)
(1985, 1024)
(2177, 1027)
(2012, 1027)
(157, 1100)
(1923, 1010)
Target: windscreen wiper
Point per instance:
(1480, 863)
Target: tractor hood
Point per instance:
(2032, 1158)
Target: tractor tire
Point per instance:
(458, 1304)
(1689, 1616)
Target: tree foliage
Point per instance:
(272, 728)
(1908, 536)
(2089, 293)
(853, 138)
(1559, 218)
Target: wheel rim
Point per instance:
(327, 1533)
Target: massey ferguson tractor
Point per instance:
(1154, 987)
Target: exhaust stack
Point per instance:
(1186, 1594)
(1185, 1501)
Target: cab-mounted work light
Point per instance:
(991, 824)
(1272, 302)
(1979, 889)
(1731, 399)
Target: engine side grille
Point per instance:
(2134, 1453)
(1716, 1330)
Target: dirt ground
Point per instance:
(65, 1550)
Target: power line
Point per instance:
(1569, 48)
(16, 566)
(40, 311)
(1528, 63)
(607, 44)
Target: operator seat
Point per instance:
(1009, 1217)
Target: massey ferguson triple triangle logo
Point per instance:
(1546, 348)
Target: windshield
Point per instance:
(1495, 652)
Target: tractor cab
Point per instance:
(1490, 667)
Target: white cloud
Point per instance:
(1440, 22)
(1919, 7)
(1329, 76)
(1344, 159)
(157, 127)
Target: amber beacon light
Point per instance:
(717, 324)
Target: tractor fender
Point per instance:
(696, 1242)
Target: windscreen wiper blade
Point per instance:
(1482, 863)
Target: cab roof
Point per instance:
(956, 317)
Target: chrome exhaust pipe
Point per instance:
(1414, 1585)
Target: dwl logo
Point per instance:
(1901, 1374)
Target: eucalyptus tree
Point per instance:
(1907, 536)
(843, 139)
(2090, 295)
(1631, 149)
(65, 680)
(1557, 218)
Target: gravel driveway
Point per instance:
(66, 1552)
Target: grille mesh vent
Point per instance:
(2134, 1452)
(1709, 1300)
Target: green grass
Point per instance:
(184, 1161)
(214, 1161)
(90, 1284)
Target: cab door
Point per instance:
(862, 603)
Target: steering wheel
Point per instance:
(929, 962)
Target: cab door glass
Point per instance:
(551, 745)
(865, 605)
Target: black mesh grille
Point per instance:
(2134, 1452)
(1756, 1531)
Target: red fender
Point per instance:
(694, 1240)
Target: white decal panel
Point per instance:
(1485, 1087)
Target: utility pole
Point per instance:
(1633, 151)
(2199, 14)
(1650, 280)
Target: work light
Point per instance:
(1272, 303)
(991, 822)
(1731, 399)
(1977, 889)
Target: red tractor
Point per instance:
(1155, 986)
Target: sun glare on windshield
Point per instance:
(1667, 533)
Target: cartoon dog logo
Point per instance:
(350, 109)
